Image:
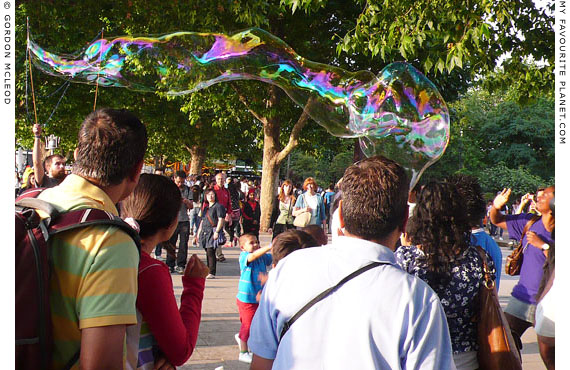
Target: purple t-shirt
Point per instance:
(531, 270)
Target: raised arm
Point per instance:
(258, 253)
(37, 154)
(497, 217)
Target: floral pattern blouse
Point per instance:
(459, 297)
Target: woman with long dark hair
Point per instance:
(166, 331)
(251, 214)
(441, 255)
(210, 228)
(282, 215)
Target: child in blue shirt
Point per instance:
(253, 261)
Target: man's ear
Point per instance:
(136, 171)
(340, 218)
(75, 153)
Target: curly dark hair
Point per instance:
(470, 190)
(440, 226)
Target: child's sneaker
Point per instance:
(238, 340)
(245, 357)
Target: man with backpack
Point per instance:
(93, 284)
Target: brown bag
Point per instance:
(497, 348)
(514, 262)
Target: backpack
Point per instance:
(34, 341)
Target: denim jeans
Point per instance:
(194, 220)
(182, 230)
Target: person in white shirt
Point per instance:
(383, 318)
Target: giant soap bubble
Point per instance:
(399, 113)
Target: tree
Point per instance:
(445, 35)
(519, 180)
(500, 141)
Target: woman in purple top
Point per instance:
(536, 243)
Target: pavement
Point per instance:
(217, 349)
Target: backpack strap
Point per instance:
(324, 294)
(58, 222)
(91, 217)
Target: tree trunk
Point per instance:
(271, 149)
(272, 153)
(358, 153)
(198, 154)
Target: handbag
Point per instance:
(302, 219)
(497, 348)
(514, 262)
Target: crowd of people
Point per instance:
(411, 270)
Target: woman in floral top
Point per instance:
(441, 256)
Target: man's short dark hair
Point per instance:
(49, 159)
(180, 174)
(470, 191)
(110, 143)
(374, 197)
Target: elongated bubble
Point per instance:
(399, 113)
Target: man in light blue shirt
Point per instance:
(383, 318)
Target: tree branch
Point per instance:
(242, 98)
(295, 133)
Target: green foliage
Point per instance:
(493, 137)
(214, 118)
(519, 180)
(325, 171)
(444, 35)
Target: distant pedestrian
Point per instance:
(51, 171)
(312, 202)
(182, 231)
(251, 214)
(210, 228)
(328, 199)
(282, 215)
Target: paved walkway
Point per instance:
(220, 320)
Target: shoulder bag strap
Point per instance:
(324, 294)
(210, 218)
(486, 273)
(530, 222)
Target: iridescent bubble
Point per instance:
(399, 113)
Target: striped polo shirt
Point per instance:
(94, 275)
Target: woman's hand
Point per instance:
(308, 209)
(501, 199)
(162, 363)
(196, 268)
(535, 240)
